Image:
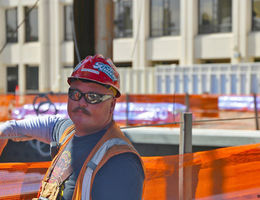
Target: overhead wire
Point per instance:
(138, 30)
(159, 124)
(195, 121)
(74, 35)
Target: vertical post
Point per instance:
(186, 133)
(256, 112)
(185, 172)
(127, 108)
(187, 101)
(103, 19)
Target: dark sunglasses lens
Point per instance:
(93, 98)
(74, 94)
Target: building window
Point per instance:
(12, 78)
(11, 25)
(164, 17)
(256, 15)
(31, 24)
(68, 22)
(123, 18)
(123, 64)
(215, 16)
(32, 78)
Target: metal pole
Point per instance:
(186, 133)
(185, 172)
(187, 101)
(104, 25)
(256, 112)
(127, 108)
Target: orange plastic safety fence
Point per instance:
(225, 173)
(202, 105)
(9, 102)
(21, 180)
(199, 105)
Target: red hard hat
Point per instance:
(97, 69)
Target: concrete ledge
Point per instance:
(200, 137)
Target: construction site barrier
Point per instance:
(225, 173)
(130, 109)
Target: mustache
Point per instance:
(85, 111)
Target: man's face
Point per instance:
(90, 118)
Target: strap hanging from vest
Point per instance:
(95, 160)
(55, 146)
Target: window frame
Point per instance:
(254, 28)
(166, 32)
(215, 28)
(125, 32)
(28, 84)
(9, 89)
(27, 13)
(14, 33)
(67, 36)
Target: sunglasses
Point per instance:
(90, 97)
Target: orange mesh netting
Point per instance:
(21, 180)
(200, 105)
(225, 173)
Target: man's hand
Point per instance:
(3, 143)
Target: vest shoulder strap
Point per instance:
(55, 146)
(93, 163)
(66, 134)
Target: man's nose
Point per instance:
(82, 102)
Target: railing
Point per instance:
(240, 79)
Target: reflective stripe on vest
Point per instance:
(92, 164)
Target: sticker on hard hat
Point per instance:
(90, 70)
(105, 69)
(77, 67)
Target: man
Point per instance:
(95, 160)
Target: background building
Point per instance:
(187, 32)
(36, 44)
(38, 54)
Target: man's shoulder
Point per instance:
(121, 177)
(60, 127)
(125, 161)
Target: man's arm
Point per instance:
(39, 128)
(120, 178)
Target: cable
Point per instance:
(19, 25)
(160, 124)
(138, 29)
(195, 121)
(75, 37)
(224, 119)
(44, 100)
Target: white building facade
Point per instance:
(192, 31)
(39, 55)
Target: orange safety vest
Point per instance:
(114, 142)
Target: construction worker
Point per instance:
(95, 160)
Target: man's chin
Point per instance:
(80, 120)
